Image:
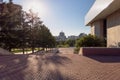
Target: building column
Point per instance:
(97, 28)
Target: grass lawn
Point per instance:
(18, 50)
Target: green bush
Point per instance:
(63, 46)
(76, 50)
(89, 41)
(70, 42)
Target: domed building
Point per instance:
(61, 37)
(62, 34)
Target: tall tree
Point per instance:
(9, 23)
(19, 29)
(34, 22)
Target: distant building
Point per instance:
(104, 19)
(61, 37)
(72, 37)
(82, 35)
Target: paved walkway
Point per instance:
(66, 50)
(59, 67)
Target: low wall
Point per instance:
(4, 52)
(88, 51)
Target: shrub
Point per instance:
(89, 41)
(76, 50)
(63, 46)
(70, 42)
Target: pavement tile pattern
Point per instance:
(59, 66)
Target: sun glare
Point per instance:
(37, 6)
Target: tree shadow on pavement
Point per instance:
(57, 59)
(33, 67)
(106, 59)
(53, 62)
(56, 75)
(50, 66)
(11, 67)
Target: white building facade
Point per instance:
(104, 20)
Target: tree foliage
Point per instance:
(9, 21)
(20, 29)
(89, 41)
(70, 42)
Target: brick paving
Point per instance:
(59, 67)
(66, 50)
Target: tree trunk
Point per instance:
(10, 49)
(32, 49)
(23, 50)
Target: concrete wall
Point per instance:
(92, 29)
(4, 52)
(97, 8)
(97, 51)
(113, 29)
(97, 28)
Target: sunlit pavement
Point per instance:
(66, 50)
(59, 67)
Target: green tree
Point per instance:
(90, 41)
(24, 31)
(46, 38)
(9, 24)
(19, 29)
(70, 42)
(34, 23)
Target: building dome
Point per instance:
(62, 34)
(61, 37)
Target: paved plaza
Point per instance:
(60, 66)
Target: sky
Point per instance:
(60, 15)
